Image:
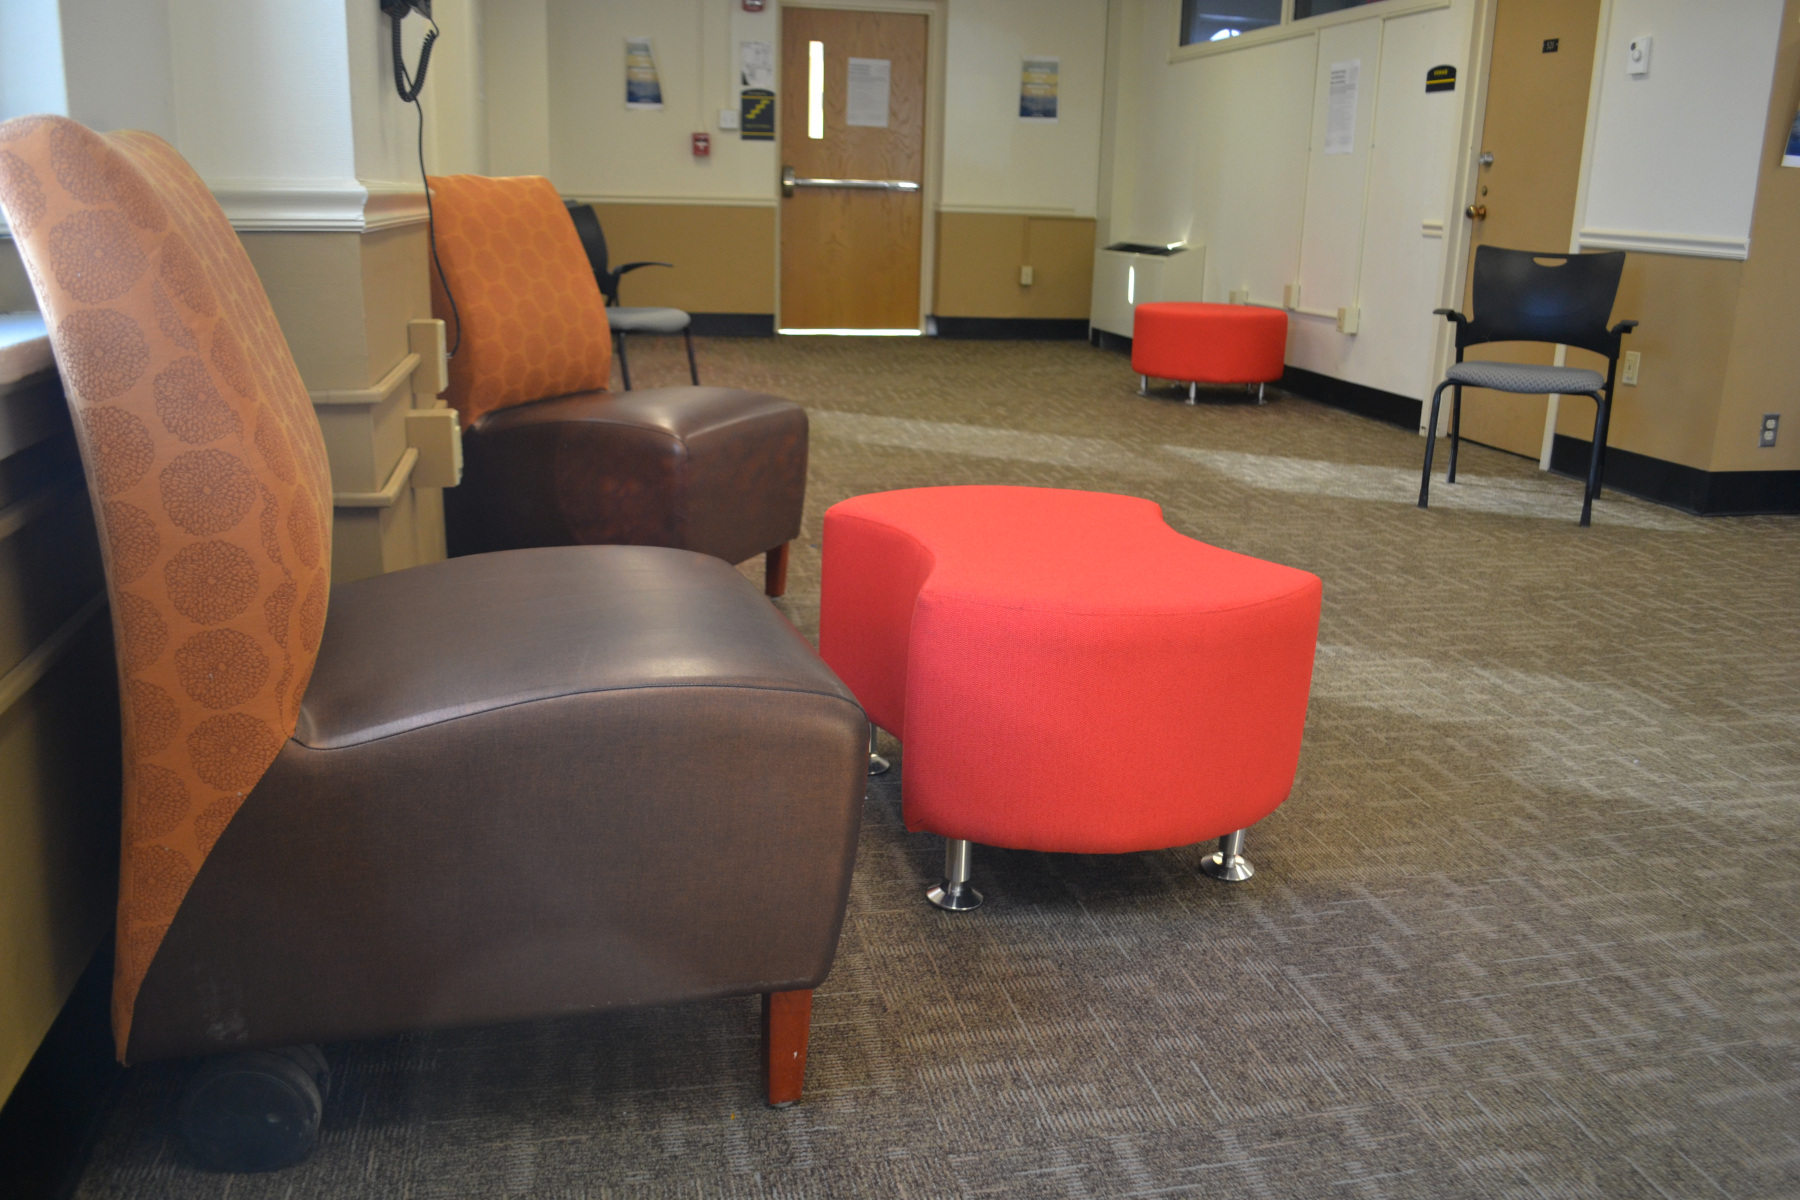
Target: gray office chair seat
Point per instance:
(1524, 377)
(647, 320)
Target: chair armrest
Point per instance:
(1623, 327)
(1451, 315)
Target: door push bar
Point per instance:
(789, 183)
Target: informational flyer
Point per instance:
(867, 103)
(756, 67)
(1037, 89)
(1791, 158)
(642, 88)
(1340, 111)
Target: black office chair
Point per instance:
(1525, 297)
(627, 320)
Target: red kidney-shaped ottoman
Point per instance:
(1066, 672)
(1208, 343)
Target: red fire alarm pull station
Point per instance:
(753, 5)
(703, 145)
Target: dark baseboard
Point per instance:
(1367, 401)
(1032, 329)
(1705, 493)
(48, 1125)
(1118, 343)
(733, 324)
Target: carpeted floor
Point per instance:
(1527, 927)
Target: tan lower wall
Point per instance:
(1686, 306)
(344, 301)
(723, 255)
(1718, 337)
(979, 256)
(1765, 349)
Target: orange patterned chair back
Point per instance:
(532, 319)
(210, 487)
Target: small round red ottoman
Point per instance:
(1208, 343)
(1066, 672)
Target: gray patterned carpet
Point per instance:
(1527, 927)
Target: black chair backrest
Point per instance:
(1525, 297)
(593, 240)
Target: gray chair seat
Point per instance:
(647, 320)
(1524, 377)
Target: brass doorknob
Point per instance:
(1476, 212)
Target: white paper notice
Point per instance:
(1340, 111)
(867, 104)
(758, 65)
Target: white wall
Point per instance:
(262, 92)
(559, 64)
(1674, 155)
(31, 61)
(116, 58)
(515, 60)
(454, 99)
(599, 148)
(992, 160)
(1227, 149)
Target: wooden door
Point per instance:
(850, 256)
(1536, 119)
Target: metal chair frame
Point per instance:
(593, 241)
(1522, 296)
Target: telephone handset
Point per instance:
(410, 85)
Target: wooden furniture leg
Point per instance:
(786, 1021)
(775, 570)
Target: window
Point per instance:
(1216, 20)
(1318, 8)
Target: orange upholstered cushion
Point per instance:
(209, 481)
(532, 318)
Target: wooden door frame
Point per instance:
(1462, 194)
(936, 14)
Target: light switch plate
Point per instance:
(1628, 370)
(1637, 56)
(728, 118)
(1025, 276)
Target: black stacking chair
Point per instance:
(1525, 297)
(627, 320)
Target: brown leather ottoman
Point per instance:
(715, 470)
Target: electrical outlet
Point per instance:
(1348, 319)
(1628, 373)
(1024, 276)
(1240, 296)
(1766, 439)
(1290, 296)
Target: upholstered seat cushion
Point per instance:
(718, 470)
(647, 320)
(1526, 377)
(495, 753)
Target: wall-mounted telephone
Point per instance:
(409, 85)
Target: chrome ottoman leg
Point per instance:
(877, 764)
(954, 893)
(1228, 863)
